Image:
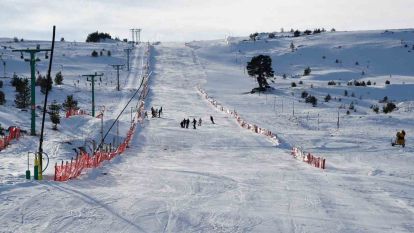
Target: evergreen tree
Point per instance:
(59, 78)
(54, 110)
(296, 33)
(46, 84)
(23, 95)
(70, 103)
(260, 67)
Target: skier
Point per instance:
(182, 123)
(146, 114)
(212, 120)
(152, 112)
(159, 112)
(194, 123)
(187, 122)
(199, 122)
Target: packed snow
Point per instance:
(221, 177)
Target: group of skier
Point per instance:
(155, 112)
(186, 122)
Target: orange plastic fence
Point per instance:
(74, 168)
(318, 162)
(244, 124)
(75, 112)
(14, 134)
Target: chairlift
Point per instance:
(46, 55)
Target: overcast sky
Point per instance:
(185, 20)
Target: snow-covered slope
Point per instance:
(222, 178)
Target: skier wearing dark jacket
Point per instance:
(212, 120)
(194, 123)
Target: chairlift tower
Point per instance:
(117, 67)
(128, 51)
(32, 61)
(91, 78)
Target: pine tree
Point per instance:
(23, 96)
(46, 84)
(70, 103)
(59, 78)
(260, 67)
(54, 110)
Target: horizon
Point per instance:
(184, 20)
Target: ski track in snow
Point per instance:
(217, 178)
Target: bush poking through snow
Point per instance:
(389, 107)
(312, 100)
(375, 108)
(331, 83)
(387, 82)
(2, 98)
(94, 53)
(328, 98)
(307, 71)
(304, 94)
(293, 84)
(384, 100)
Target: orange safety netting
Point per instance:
(75, 112)
(74, 168)
(14, 134)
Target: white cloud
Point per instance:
(194, 19)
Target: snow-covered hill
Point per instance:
(221, 177)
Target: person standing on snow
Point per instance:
(199, 122)
(194, 123)
(187, 123)
(211, 119)
(159, 112)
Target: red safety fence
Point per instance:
(79, 112)
(299, 154)
(74, 168)
(243, 123)
(75, 112)
(14, 134)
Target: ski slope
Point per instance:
(217, 178)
